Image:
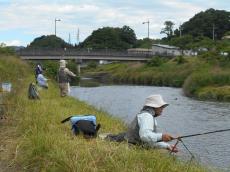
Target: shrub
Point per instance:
(155, 62)
(180, 60)
(92, 64)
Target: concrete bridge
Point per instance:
(81, 54)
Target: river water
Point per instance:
(183, 116)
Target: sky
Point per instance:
(21, 21)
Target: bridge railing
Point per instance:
(79, 52)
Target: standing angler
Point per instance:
(64, 75)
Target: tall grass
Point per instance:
(44, 144)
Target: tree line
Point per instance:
(199, 31)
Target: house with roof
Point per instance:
(139, 51)
(165, 50)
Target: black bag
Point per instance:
(86, 127)
(84, 124)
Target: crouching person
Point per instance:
(143, 129)
(42, 81)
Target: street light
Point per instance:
(148, 34)
(148, 26)
(55, 24)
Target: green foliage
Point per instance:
(155, 62)
(168, 29)
(49, 41)
(209, 56)
(6, 50)
(184, 42)
(180, 60)
(214, 93)
(191, 42)
(202, 24)
(145, 43)
(92, 64)
(205, 78)
(111, 38)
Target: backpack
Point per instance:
(32, 92)
(85, 124)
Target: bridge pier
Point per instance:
(78, 62)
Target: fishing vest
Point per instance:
(62, 76)
(132, 134)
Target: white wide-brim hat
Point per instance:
(155, 101)
(62, 63)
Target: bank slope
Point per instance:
(42, 143)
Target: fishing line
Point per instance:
(192, 135)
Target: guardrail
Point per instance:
(79, 52)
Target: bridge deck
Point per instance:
(54, 54)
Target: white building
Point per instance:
(165, 50)
(162, 50)
(139, 51)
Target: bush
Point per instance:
(180, 60)
(6, 51)
(205, 78)
(155, 62)
(92, 64)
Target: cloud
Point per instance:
(36, 18)
(13, 43)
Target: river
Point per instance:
(183, 116)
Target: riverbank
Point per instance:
(35, 140)
(199, 78)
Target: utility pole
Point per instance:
(180, 30)
(148, 26)
(55, 25)
(69, 39)
(78, 36)
(148, 35)
(213, 32)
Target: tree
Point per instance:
(128, 35)
(168, 29)
(203, 23)
(111, 38)
(49, 41)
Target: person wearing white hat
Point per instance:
(63, 78)
(143, 129)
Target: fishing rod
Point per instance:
(198, 134)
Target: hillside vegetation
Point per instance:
(39, 142)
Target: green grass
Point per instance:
(42, 143)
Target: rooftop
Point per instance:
(165, 46)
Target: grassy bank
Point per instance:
(39, 142)
(199, 77)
